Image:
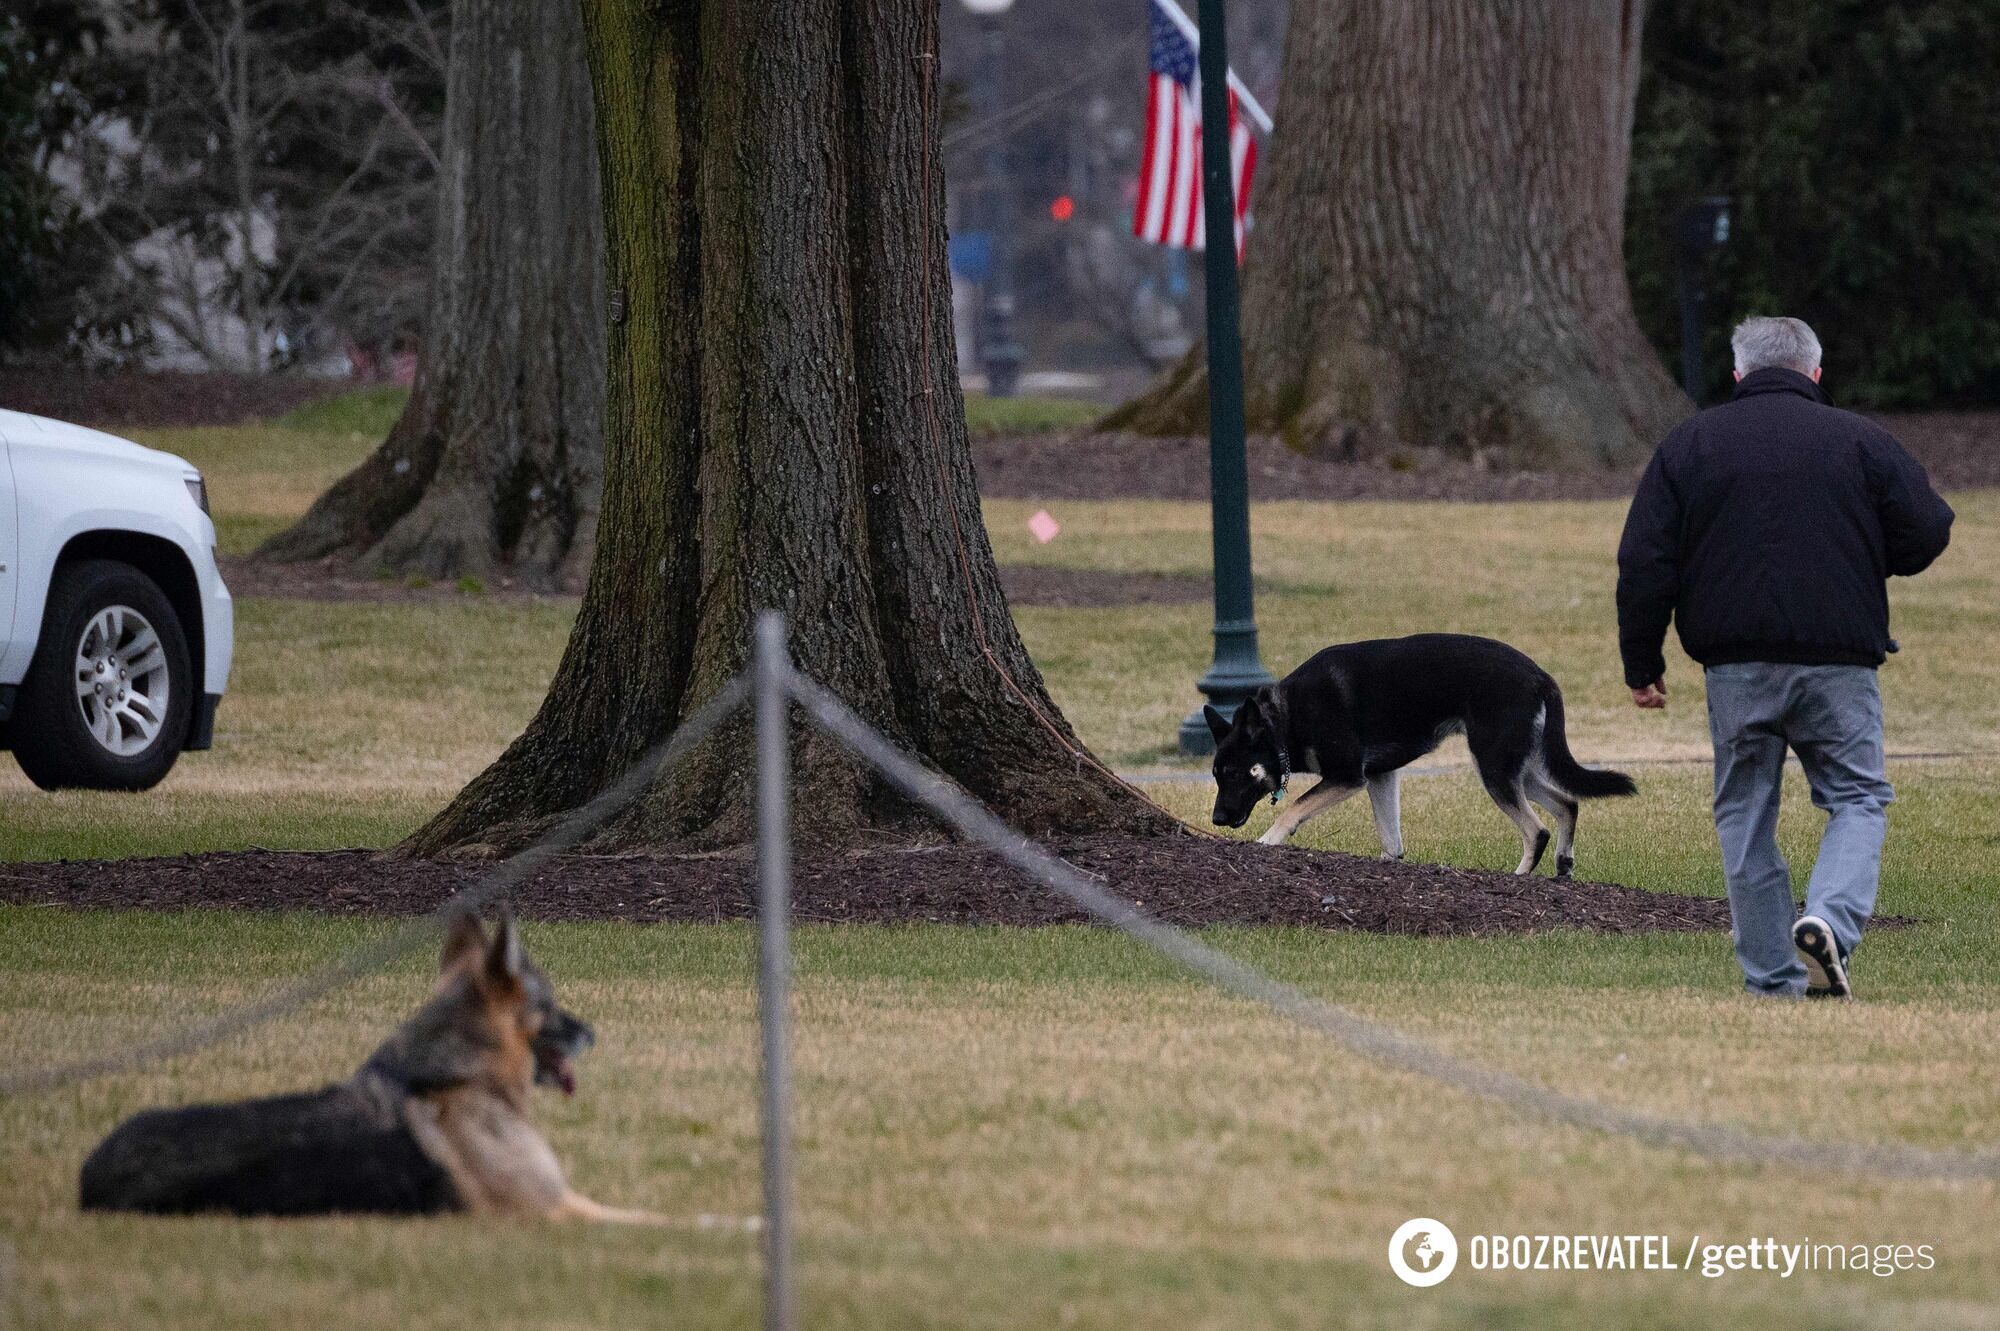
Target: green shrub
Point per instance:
(1857, 139)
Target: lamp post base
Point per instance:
(1235, 674)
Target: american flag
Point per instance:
(1168, 210)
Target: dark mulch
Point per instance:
(341, 580)
(1961, 449)
(125, 401)
(334, 579)
(1190, 880)
(1070, 587)
(1134, 466)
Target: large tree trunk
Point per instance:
(495, 468)
(1437, 258)
(785, 431)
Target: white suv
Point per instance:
(115, 628)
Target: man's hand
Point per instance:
(1653, 697)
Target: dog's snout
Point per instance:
(1225, 817)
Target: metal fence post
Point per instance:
(774, 890)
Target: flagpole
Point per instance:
(1236, 668)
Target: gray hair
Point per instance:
(1762, 342)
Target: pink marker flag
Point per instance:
(1043, 527)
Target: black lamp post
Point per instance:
(1699, 228)
(998, 351)
(1237, 669)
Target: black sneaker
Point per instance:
(1826, 967)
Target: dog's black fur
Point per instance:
(345, 1148)
(1356, 713)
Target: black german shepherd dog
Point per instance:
(1356, 713)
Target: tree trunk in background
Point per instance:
(785, 431)
(495, 468)
(1437, 258)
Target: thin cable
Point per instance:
(1026, 111)
(1370, 1039)
(374, 956)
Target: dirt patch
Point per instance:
(1134, 466)
(1191, 880)
(340, 580)
(164, 401)
(334, 579)
(1094, 588)
(1961, 449)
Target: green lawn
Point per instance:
(1048, 1128)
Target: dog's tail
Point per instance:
(1584, 783)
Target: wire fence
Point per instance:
(568, 833)
(1369, 1038)
(776, 685)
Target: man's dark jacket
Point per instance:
(1765, 529)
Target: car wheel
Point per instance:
(108, 694)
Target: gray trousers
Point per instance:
(1831, 717)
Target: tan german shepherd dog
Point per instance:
(436, 1120)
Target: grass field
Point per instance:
(1042, 1129)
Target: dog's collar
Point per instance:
(1275, 702)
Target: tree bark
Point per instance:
(1437, 260)
(785, 431)
(495, 468)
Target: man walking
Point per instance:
(1766, 529)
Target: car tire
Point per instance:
(109, 692)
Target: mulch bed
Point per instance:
(1096, 588)
(341, 580)
(1134, 466)
(334, 579)
(1189, 880)
(124, 401)
(1961, 449)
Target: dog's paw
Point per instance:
(1272, 838)
(1387, 858)
(1564, 863)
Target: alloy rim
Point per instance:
(121, 680)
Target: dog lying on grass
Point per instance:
(436, 1120)
(1358, 713)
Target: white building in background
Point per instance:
(193, 327)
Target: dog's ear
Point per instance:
(503, 958)
(1249, 715)
(463, 938)
(1218, 724)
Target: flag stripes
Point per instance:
(1168, 209)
